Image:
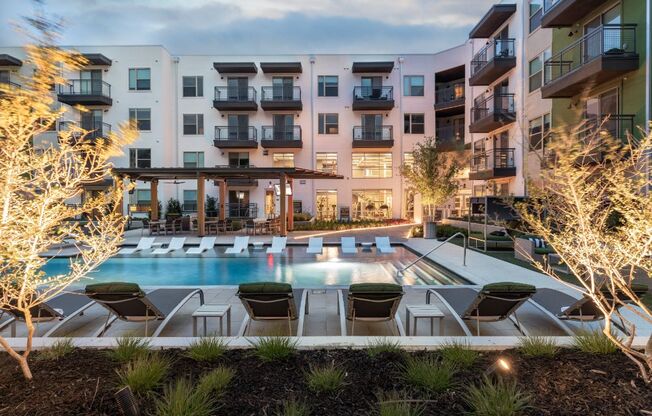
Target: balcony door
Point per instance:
(238, 88)
(602, 111)
(91, 82)
(283, 127)
(282, 88)
(238, 204)
(372, 87)
(609, 40)
(92, 120)
(372, 126)
(238, 126)
(502, 45)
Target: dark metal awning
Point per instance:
(97, 59)
(367, 67)
(235, 67)
(491, 21)
(281, 67)
(8, 60)
(221, 172)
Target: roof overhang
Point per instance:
(491, 21)
(8, 60)
(235, 67)
(281, 67)
(97, 59)
(367, 67)
(220, 173)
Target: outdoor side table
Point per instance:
(212, 311)
(424, 311)
(366, 245)
(258, 245)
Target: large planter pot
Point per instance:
(429, 230)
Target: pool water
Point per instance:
(294, 267)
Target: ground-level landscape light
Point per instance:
(501, 366)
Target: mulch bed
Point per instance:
(571, 383)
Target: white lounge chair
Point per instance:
(278, 245)
(383, 245)
(315, 245)
(145, 243)
(348, 245)
(206, 243)
(239, 245)
(175, 244)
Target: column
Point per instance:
(201, 206)
(154, 199)
(283, 232)
(291, 205)
(222, 206)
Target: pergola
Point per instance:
(221, 174)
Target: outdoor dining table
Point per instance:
(156, 227)
(260, 224)
(208, 225)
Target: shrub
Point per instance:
(144, 373)
(206, 349)
(57, 350)
(595, 342)
(302, 216)
(379, 346)
(499, 398)
(459, 354)
(428, 374)
(393, 405)
(129, 348)
(293, 408)
(215, 381)
(179, 399)
(324, 379)
(275, 348)
(538, 346)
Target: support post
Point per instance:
(154, 199)
(222, 206)
(201, 206)
(284, 216)
(291, 205)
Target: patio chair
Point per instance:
(250, 227)
(315, 245)
(176, 244)
(174, 225)
(239, 245)
(206, 244)
(348, 245)
(63, 307)
(370, 302)
(278, 245)
(127, 302)
(383, 245)
(273, 301)
(491, 303)
(145, 243)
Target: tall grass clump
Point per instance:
(215, 381)
(144, 374)
(275, 348)
(496, 398)
(378, 346)
(459, 354)
(393, 405)
(206, 349)
(129, 348)
(293, 408)
(57, 350)
(595, 342)
(427, 373)
(181, 399)
(538, 346)
(324, 379)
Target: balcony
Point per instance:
(492, 61)
(236, 137)
(600, 56)
(373, 98)
(492, 20)
(449, 138)
(96, 129)
(235, 99)
(617, 126)
(449, 99)
(492, 113)
(378, 137)
(85, 92)
(565, 13)
(492, 164)
(281, 137)
(8, 84)
(96, 59)
(283, 98)
(8, 60)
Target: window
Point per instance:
(193, 86)
(413, 85)
(238, 159)
(189, 200)
(140, 158)
(297, 206)
(408, 159)
(372, 204)
(193, 159)
(327, 162)
(538, 131)
(535, 74)
(142, 117)
(372, 165)
(193, 124)
(326, 204)
(283, 160)
(327, 86)
(139, 79)
(414, 123)
(536, 12)
(328, 123)
(143, 197)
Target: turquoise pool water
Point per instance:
(294, 266)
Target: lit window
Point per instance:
(283, 160)
(326, 204)
(372, 204)
(327, 162)
(372, 165)
(408, 159)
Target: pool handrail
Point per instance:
(399, 273)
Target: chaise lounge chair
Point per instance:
(278, 245)
(63, 307)
(315, 245)
(239, 245)
(348, 245)
(127, 302)
(145, 243)
(370, 302)
(383, 245)
(176, 244)
(206, 244)
(273, 301)
(491, 303)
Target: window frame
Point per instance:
(408, 86)
(199, 126)
(239, 159)
(384, 172)
(134, 116)
(322, 123)
(322, 86)
(135, 157)
(199, 159)
(535, 17)
(282, 157)
(408, 123)
(198, 86)
(327, 156)
(136, 79)
(543, 132)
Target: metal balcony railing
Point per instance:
(370, 93)
(607, 40)
(549, 5)
(618, 126)
(450, 93)
(86, 87)
(492, 159)
(449, 134)
(280, 93)
(498, 48)
(284, 133)
(494, 104)
(241, 210)
(235, 94)
(374, 133)
(95, 129)
(245, 133)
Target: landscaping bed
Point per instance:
(83, 382)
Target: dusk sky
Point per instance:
(259, 26)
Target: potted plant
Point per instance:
(172, 209)
(211, 206)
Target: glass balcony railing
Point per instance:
(380, 133)
(235, 94)
(235, 133)
(280, 93)
(79, 87)
(284, 133)
(370, 93)
(494, 104)
(493, 159)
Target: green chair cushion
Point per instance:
(509, 287)
(114, 288)
(265, 287)
(544, 250)
(375, 288)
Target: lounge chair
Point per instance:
(348, 245)
(145, 243)
(491, 303)
(207, 243)
(63, 307)
(127, 302)
(239, 245)
(272, 301)
(176, 244)
(278, 245)
(370, 302)
(315, 245)
(383, 245)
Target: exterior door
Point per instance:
(282, 88)
(91, 82)
(238, 88)
(372, 87)
(92, 121)
(372, 126)
(283, 126)
(238, 126)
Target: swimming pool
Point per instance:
(294, 266)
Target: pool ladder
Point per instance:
(399, 273)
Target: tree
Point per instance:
(591, 206)
(432, 174)
(37, 180)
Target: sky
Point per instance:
(258, 26)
